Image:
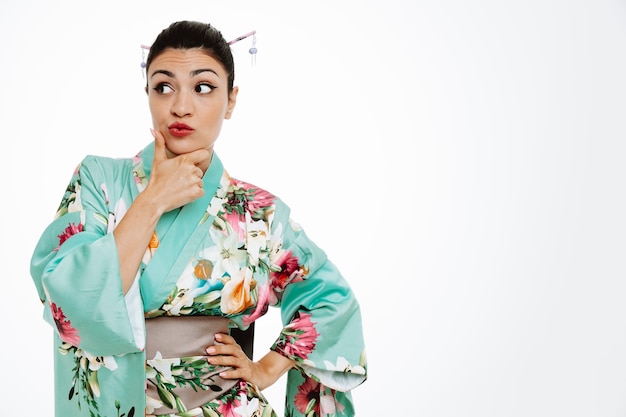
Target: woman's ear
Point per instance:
(232, 101)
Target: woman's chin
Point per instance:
(176, 147)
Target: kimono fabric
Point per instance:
(231, 254)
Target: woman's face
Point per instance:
(189, 99)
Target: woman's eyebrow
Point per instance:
(165, 72)
(201, 70)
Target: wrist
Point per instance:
(150, 205)
(272, 366)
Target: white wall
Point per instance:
(462, 162)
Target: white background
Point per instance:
(461, 161)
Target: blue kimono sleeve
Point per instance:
(322, 327)
(75, 268)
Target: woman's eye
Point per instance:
(163, 88)
(204, 88)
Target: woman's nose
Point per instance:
(182, 105)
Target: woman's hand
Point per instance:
(262, 373)
(175, 181)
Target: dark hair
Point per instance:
(188, 35)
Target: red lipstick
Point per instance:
(180, 129)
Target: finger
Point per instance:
(234, 373)
(159, 146)
(219, 350)
(231, 374)
(225, 345)
(225, 360)
(225, 338)
(236, 368)
(198, 156)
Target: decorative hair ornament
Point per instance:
(144, 48)
(252, 49)
(242, 37)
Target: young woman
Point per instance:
(151, 260)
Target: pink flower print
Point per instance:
(67, 332)
(258, 199)
(233, 218)
(289, 271)
(69, 231)
(299, 337)
(307, 391)
(227, 409)
(262, 304)
(244, 197)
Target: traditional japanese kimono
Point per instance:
(232, 253)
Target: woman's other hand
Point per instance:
(262, 373)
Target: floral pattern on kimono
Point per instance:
(252, 257)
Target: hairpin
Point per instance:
(252, 49)
(242, 37)
(144, 48)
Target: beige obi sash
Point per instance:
(182, 341)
